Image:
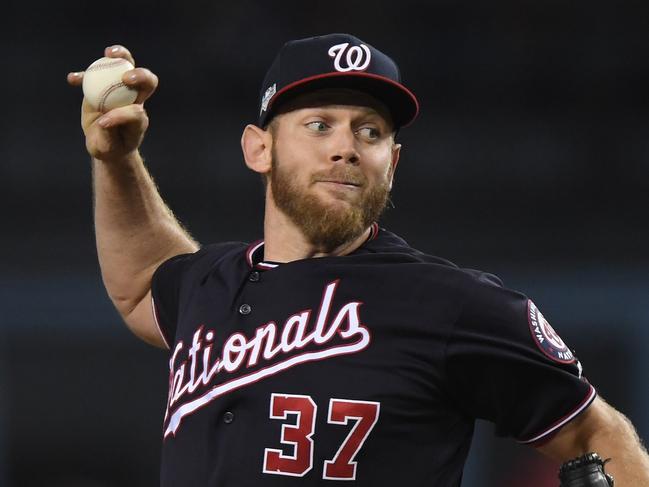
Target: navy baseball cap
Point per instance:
(335, 61)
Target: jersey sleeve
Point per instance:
(506, 364)
(165, 294)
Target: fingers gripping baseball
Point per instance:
(113, 131)
(118, 133)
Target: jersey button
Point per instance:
(254, 276)
(245, 309)
(228, 417)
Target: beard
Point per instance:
(327, 226)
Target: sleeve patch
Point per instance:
(548, 341)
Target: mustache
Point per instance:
(345, 175)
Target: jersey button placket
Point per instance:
(228, 417)
(254, 276)
(245, 309)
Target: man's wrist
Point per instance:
(129, 159)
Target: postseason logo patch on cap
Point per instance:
(546, 338)
(268, 94)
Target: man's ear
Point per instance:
(256, 144)
(396, 152)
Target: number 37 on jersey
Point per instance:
(298, 433)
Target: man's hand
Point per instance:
(117, 134)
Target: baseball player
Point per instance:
(329, 351)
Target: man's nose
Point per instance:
(344, 147)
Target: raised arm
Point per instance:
(135, 230)
(607, 432)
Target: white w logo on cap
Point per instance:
(357, 58)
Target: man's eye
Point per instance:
(317, 126)
(369, 132)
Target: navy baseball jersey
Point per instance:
(369, 368)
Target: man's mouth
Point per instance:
(339, 182)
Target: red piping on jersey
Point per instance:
(157, 324)
(590, 397)
(374, 231)
(251, 250)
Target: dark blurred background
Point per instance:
(530, 160)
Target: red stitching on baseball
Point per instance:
(107, 92)
(106, 64)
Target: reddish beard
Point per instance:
(327, 226)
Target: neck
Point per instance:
(285, 242)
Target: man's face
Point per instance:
(333, 160)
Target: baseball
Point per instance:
(103, 86)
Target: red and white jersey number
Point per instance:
(299, 435)
(366, 414)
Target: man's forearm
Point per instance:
(135, 229)
(629, 462)
(603, 430)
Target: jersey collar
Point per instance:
(255, 251)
